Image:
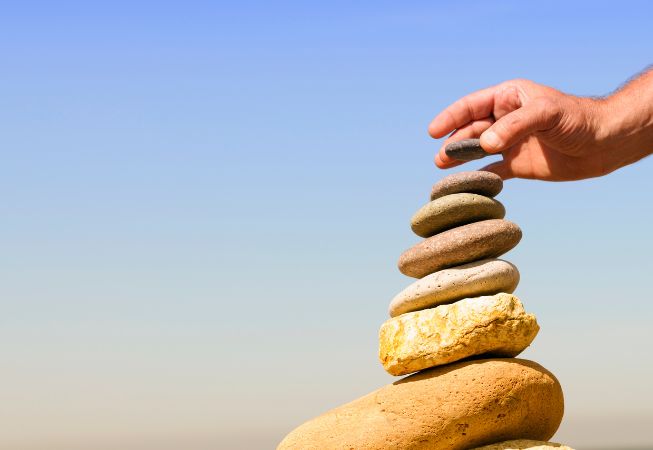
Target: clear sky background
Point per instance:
(203, 204)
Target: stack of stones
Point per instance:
(461, 306)
(460, 328)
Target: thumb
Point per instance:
(541, 114)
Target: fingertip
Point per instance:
(438, 161)
(444, 162)
(442, 125)
(435, 130)
(453, 164)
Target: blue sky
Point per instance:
(204, 203)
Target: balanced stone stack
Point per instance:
(461, 306)
(460, 327)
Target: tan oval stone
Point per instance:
(523, 444)
(454, 210)
(485, 277)
(494, 325)
(474, 181)
(455, 407)
(460, 245)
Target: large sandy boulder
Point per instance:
(455, 407)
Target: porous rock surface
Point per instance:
(466, 150)
(494, 325)
(523, 444)
(485, 277)
(455, 407)
(454, 210)
(460, 245)
(475, 182)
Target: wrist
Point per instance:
(623, 126)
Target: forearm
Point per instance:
(626, 123)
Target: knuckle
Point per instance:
(507, 127)
(519, 82)
(545, 103)
(548, 108)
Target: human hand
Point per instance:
(542, 133)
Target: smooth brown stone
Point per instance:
(461, 245)
(454, 407)
(475, 182)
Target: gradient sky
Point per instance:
(204, 203)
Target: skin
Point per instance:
(545, 134)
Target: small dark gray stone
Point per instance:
(466, 150)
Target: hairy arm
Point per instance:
(626, 122)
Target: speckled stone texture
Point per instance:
(523, 444)
(485, 277)
(460, 245)
(455, 407)
(475, 182)
(454, 210)
(494, 325)
(466, 150)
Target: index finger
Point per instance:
(475, 106)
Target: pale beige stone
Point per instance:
(485, 277)
(523, 444)
(454, 407)
(491, 325)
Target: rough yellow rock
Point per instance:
(455, 407)
(522, 444)
(495, 325)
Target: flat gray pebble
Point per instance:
(466, 150)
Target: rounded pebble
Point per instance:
(454, 210)
(485, 277)
(461, 245)
(466, 150)
(475, 182)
